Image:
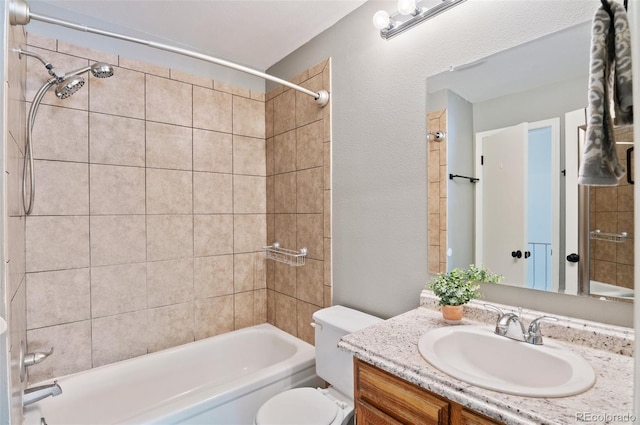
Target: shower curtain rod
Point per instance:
(20, 14)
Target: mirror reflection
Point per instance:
(512, 120)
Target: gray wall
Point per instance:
(379, 151)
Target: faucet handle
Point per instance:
(34, 358)
(494, 308)
(535, 335)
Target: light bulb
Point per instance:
(381, 20)
(407, 7)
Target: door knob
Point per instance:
(527, 254)
(516, 254)
(573, 258)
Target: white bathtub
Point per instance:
(607, 290)
(219, 380)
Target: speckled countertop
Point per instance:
(392, 345)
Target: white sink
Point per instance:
(476, 355)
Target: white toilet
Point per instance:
(316, 406)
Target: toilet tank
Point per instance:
(333, 364)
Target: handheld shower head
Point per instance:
(101, 70)
(69, 86)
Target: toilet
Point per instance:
(318, 406)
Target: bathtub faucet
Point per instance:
(32, 395)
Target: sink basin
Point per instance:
(474, 354)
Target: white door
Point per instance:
(501, 244)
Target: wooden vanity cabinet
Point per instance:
(382, 398)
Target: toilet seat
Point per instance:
(308, 406)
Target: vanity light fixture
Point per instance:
(408, 15)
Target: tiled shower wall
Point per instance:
(150, 212)
(437, 194)
(299, 201)
(611, 211)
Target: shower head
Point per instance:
(69, 86)
(101, 70)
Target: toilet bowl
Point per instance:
(322, 406)
(308, 406)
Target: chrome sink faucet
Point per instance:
(35, 394)
(510, 325)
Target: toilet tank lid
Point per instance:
(345, 318)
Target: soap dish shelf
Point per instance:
(286, 256)
(611, 237)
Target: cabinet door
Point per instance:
(397, 398)
(369, 415)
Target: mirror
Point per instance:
(527, 90)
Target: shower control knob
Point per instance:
(573, 258)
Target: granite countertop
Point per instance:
(392, 345)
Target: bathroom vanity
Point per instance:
(394, 384)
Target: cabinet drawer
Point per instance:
(398, 398)
(369, 415)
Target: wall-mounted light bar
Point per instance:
(409, 15)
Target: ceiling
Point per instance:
(254, 33)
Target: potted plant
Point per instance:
(458, 287)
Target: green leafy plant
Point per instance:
(459, 286)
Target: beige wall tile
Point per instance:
(56, 243)
(213, 316)
(260, 306)
(212, 193)
(121, 95)
(328, 281)
(249, 194)
(117, 239)
(268, 110)
(305, 316)
(310, 146)
(283, 119)
(231, 89)
(168, 101)
(248, 269)
(169, 146)
(270, 195)
(57, 297)
(169, 191)
(62, 188)
(327, 213)
(248, 117)
(285, 279)
(191, 79)
(213, 276)
(213, 234)
(212, 151)
(285, 193)
(170, 326)
(68, 142)
(72, 344)
(309, 282)
(118, 289)
(310, 234)
(249, 232)
(145, 67)
(286, 317)
(117, 190)
(284, 152)
(271, 307)
(169, 282)
(212, 110)
(16, 260)
(307, 110)
(309, 193)
(285, 230)
(257, 95)
(41, 41)
(169, 237)
(119, 337)
(243, 305)
(249, 156)
(116, 140)
(86, 52)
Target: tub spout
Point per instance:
(32, 395)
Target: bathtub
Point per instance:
(219, 380)
(607, 290)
